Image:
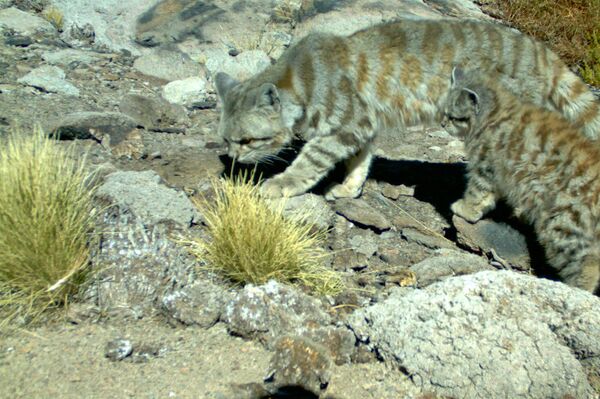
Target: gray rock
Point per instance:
(487, 335)
(19, 41)
(51, 79)
(135, 265)
(154, 113)
(240, 67)
(118, 349)
(113, 21)
(364, 242)
(189, 91)
(361, 213)
(486, 235)
(448, 263)
(299, 362)
(200, 303)
(394, 192)
(23, 23)
(68, 56)
(147, 198)
(272, 310)
(168, 65)
(310, 207)
(96, 125)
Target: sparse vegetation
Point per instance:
(46, 215)
(55, 17)
(570, 27)
(252, 242)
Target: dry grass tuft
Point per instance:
(46, 215)
(570, 27)
(55, 17)
(252, 242)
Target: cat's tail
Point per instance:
(572, 97)
(585, 275)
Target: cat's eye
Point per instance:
(245, 141)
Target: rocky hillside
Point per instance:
(433, 306)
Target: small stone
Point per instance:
(300, 362)
(19, 41)
(187, 91)
(394, 192)
(118, 349)
(362, 214)
(201, 303)
(487, 235)
(50, 79)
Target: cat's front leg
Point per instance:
(479, 199)
(357, 168)
(315, 160)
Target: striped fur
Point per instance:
(542, 165)
(337, 92)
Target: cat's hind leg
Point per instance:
(357, 169)
(479, 199)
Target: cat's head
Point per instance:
(469, 101)
(251, 119)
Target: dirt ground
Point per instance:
(68, 361)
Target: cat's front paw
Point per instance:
(278, 187)
(342, 191)
(468, 212)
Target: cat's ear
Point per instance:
(268, 96)
(224, 83)
(457, 75)
(471, 97)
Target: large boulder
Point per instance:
(488, 335)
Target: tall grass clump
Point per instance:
(46, 216)
(570, 27)
(252, 242)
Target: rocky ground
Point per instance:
(434, 306)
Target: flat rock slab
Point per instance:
(168, 65)
(51, 79)
(486, 235)
(154, 113)
(487, 335)
(360, 212)
(96, 125)
(147, 198)
(448, 263)
(23, 23)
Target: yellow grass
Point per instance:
(55, 17)
(570, 27)
(46, 215)
(252, 242)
